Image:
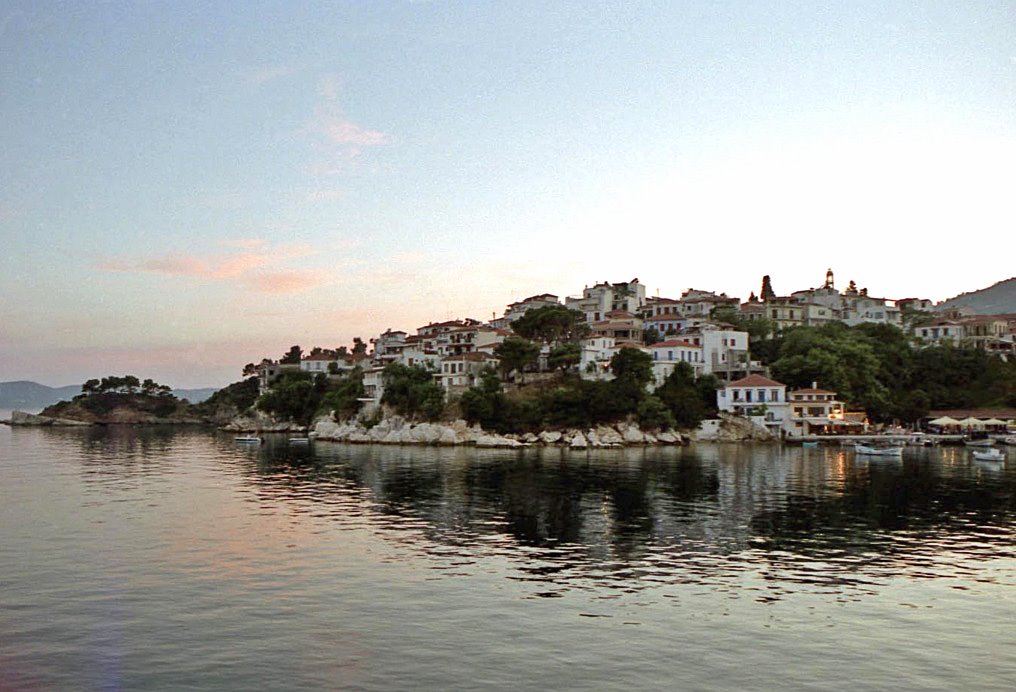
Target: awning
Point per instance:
(993, 421)
(971, 422)
(944, 420)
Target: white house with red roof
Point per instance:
(667, 354)
(816, 411)
(757, 397)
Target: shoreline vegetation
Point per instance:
(876, 369)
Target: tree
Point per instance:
(688, 400)
(249, 370)
(552, 324)
(90, 387)
(294, 396)
(293, 356)
(516, 354)
(633, 365)
(653, 414)
(651, 336)
(565, 357)
(412, 392)
(359, 347)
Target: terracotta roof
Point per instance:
(672, 343)
(628, 344)
(811, 391)
(756, 381)
(476, 356)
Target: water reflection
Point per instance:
(629, 519)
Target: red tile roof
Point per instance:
(674, 342)
(756, 381)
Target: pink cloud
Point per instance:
(284, 281)
(341, 139)
(240, 267)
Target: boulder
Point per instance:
(496, 441)
(609, 436)
(578, 441)
(448, 437)
(550, 437)
(668, 438)
(633, 436)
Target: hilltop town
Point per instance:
(731, 347)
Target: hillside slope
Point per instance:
(994, 300)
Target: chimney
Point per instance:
(814, 385)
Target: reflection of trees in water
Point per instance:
(120, 453)
(680, 516)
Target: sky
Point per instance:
(188, 187)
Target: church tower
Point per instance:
(829, 279)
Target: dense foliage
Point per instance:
(230, 400)
(552, 324)
(100, 397)
(412, 392)
(516, 354)
(878, 369)
(300, 396)
(576, 403)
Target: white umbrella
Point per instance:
(971, 422)
(944, 420)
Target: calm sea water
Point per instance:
(161, 559)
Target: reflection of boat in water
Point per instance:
(869, 450)
(299, 440)
(980, 442)
(248, 439)
(809, 444)
(991, 454)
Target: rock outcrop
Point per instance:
(32, 419)
(395, 430)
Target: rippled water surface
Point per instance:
(179, 559)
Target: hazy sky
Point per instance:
(186, 187)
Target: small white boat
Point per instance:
(248, 439)
(299, 440)
(989, 454)
(982, 442)
(1011, 440)
(878, 451)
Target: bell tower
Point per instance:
(829, 279)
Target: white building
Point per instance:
(462, 371)
(815, 411)
(667, 354)
(757, 397)
(940, 332)
(598, 300)
(517, 309)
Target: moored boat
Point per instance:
(991, 454)
(980, 442)
(878, 451)
(248, 439)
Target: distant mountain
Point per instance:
(994, 300)
(32, 395)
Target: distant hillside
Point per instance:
(32, 395)
(994, 300)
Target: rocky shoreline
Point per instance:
(395, 430)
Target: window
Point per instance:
(774, 395)
(747, 395)
(761, 396)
